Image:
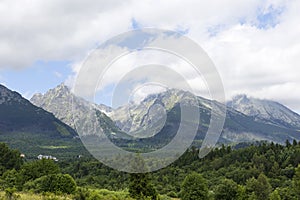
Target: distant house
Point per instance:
(40, 157)
(22, 155)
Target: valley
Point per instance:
(256, 157)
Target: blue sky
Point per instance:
(269, 18)
(37, 78)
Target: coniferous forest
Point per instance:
(246, 171)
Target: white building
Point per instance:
(40, 157)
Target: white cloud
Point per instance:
(54, 30)
(140, 92)
(65, 29)
(260, 61)
(57, 74)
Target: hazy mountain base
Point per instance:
(33, 144)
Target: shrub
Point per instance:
(56, 183)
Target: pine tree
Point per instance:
(275, 195)
(260, 187)
(194, 187)
(140, 186)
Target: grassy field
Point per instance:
(54, 147)
(101, 195)
(32, 196)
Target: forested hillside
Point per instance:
(256, 171)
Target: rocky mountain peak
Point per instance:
(148, 118)
(60, 91)
(64, 104)
(265, 110)
(241, 98)
(7, 96)
(62, 88)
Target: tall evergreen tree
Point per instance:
(260, 187)
(140, 186)
(9, 158)
(296, 181)
(194, 187)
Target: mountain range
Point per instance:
(47, 123)
(247, 119)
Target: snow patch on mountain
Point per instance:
(266, 111)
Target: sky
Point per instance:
(254, 44)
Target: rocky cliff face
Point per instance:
(266, 111)
(78, 113)
(65, 105)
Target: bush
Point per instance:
(56, 183)
(39, 168)
(172, 194)
(10, 194)
(227, 190)
(10, 179)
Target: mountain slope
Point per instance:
(238, 127)
(149, 116)
(60, 101)
(32, 129)
(266, 111)
(18, 114)
(71, 109)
